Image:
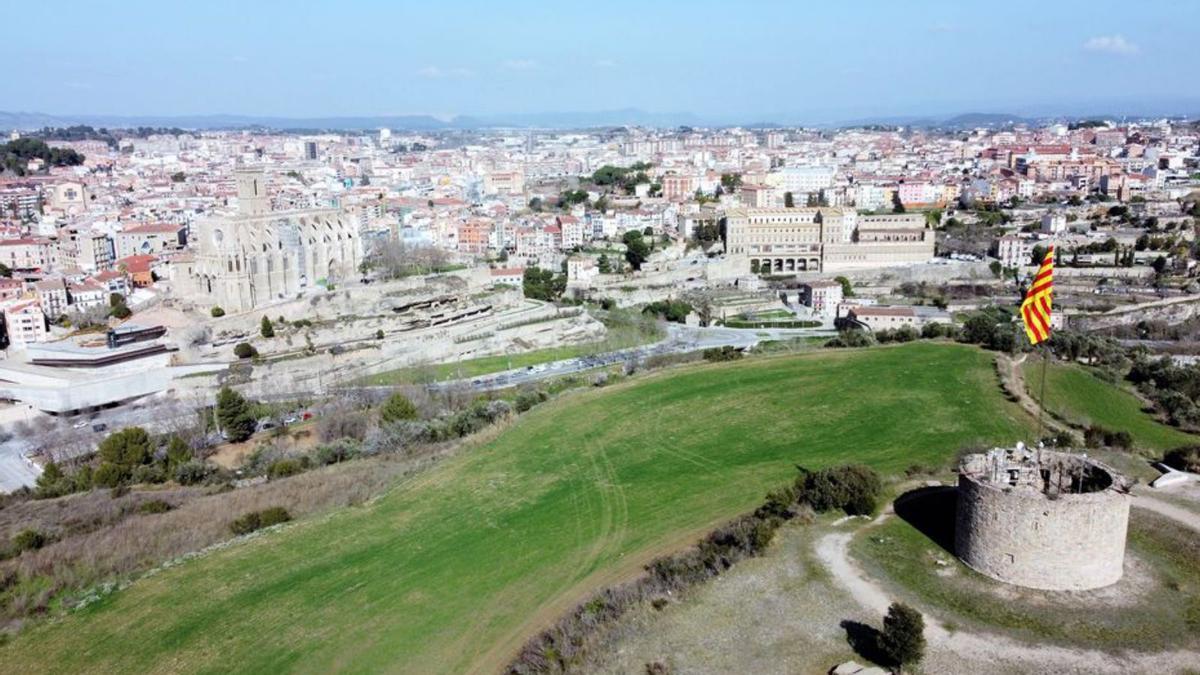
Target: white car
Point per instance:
(80, 424)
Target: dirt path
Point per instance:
(982, 648)
(1012, 378)
(1189, 519)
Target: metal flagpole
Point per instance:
(1042, 399)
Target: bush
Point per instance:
(282, 468)
(725, 353)
(336, 453)
(903, 636)
(256, 520)
(852, 337)
(244, 350)
(1186, 458)
(149, 473)
(343, 424)
(528, 399)
(192, 472)
(265, 328)
(155, 506)
(854, 488)
(217, 312)
(672, 310)
(396, 408)
(27, 540)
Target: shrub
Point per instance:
(396, 408)
(528, 399)
(192, 472)
(282, 468)
(903, 636)
(853, 337)
(335, 453)
(244, 350)
(155, 506)
(28, 540)
(379, 334)
(1186, 458)
(265, 328)
(726, 353)
(217, 312)
(149, 473)
(343, 424)
(854, 488)
(109, 475)
(256, 520)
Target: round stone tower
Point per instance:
(1042, 519)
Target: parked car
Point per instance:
(100, 426)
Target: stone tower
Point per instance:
(252, 192)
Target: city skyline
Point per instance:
(769, 62)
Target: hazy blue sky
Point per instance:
(753, 60)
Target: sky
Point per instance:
(746, 61)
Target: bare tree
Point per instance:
(392, 259)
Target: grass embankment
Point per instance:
(1157, 605)
(622, 333)
(1075, 395)
(455, 568)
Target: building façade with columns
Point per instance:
(258, 256)
(824, 239)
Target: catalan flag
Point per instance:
(1035, 309)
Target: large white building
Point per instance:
(782, 240)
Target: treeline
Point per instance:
(16, 155)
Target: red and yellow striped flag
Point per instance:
(1035, 309)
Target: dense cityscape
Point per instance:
(878, 387)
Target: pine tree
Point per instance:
(268, 331)
(233, 414)
(397, 408)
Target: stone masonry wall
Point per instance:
(1022, 537)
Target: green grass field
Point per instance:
(1074, 394)
(453, 569)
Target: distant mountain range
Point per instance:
(560, 120)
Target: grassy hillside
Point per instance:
(1074, 394)
(453, 569)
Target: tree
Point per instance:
(535, 204)
(1038, 254)
(244, 350)
(1159, 265)
(541, 284)
(233, 414)
(178, 177)
(178, 452)
(996, 268)
(847, 287)
(897, 205)
(267, 330)
(397, 408)
(217, 312)
(49, 482)
(636, 249)
(123, 451)
(788, 200)
(903, 636)
(603, 264)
